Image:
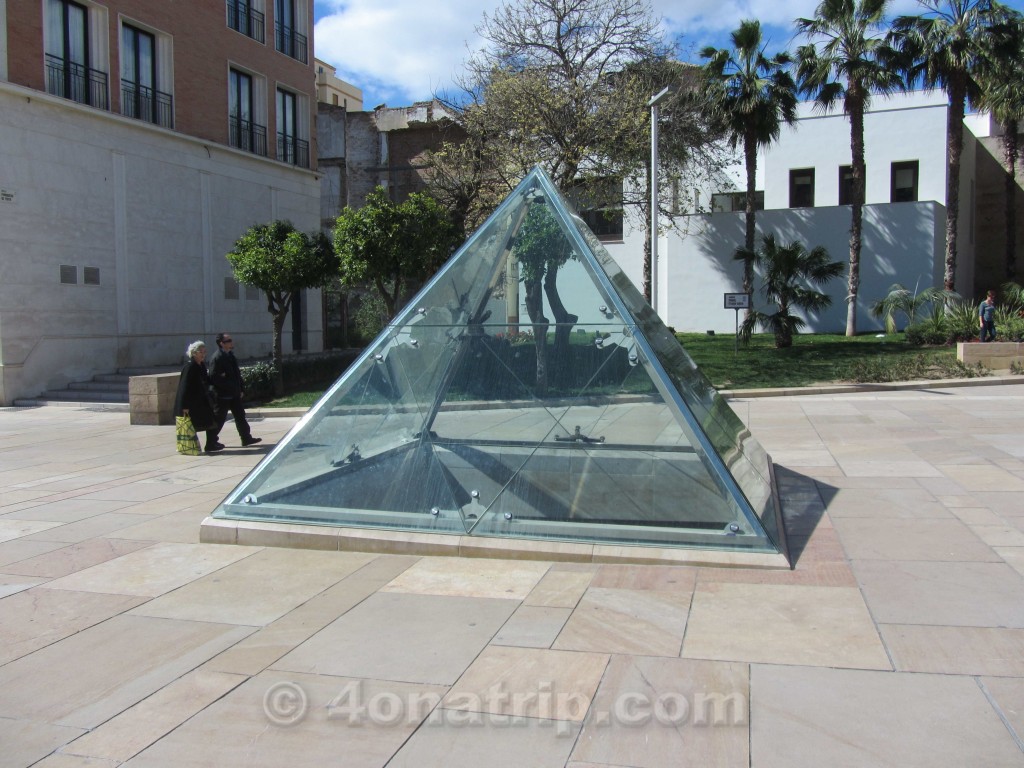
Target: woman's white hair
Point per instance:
(194, 347)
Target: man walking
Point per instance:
(227, 380)
(987, 317)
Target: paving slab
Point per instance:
(646, 622)
(814, 626)
(860, 718)
(411, 638)
(284, 718)
(667, 713)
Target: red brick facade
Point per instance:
(204, 49)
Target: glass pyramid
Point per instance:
(527, 391)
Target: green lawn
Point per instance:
(813, 359)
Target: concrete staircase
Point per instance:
(108, 391)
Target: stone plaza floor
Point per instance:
(897, 639)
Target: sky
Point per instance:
(402, 51)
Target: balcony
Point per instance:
(292, 150)
(76, 82)
(245, 19)
(291, 43)
(248, 136)
(147, 104)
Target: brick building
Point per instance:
(138, 140)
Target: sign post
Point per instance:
(737, 301)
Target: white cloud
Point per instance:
(400, 51)
(397, 50)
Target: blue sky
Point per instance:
(401, 51)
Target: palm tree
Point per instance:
(1003, 95)
(842, 61)
(787, 269)
(942, 48)
(754, 95)
(911, 304)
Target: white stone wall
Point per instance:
(902, 242)
(156, 212)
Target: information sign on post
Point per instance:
(737, 301)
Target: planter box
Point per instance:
(151, 398)
(995, 355)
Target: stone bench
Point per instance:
(994, 355)
(151, 398)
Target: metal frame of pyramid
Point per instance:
(527, 399)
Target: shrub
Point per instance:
(371, 316)
(258, 380)
(916, 367)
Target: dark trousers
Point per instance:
(988, 328)
(234, 405)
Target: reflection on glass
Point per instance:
(527, 391)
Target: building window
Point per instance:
(903, 186)
(290, 148)
(230, 289)
(801, 188)
(287, 40)
(599, 203)
(68, 73)
(244, 133)
(244, 18)
(846, 185)
(726, 202)
(139, 95)
(91, 276)
(69, 274)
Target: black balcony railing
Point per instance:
(290, 43)
(292, 150)
(245, 19)
(76, 82)
(248, 136)
(147, 104)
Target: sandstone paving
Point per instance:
(667, 713)
(862, 718)
(284, 718)
(408, 638)
(996, 651)
(138, 656)
(647, 622)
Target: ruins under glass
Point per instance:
(528, 391)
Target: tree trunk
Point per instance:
(279, 318)
(647, 242)
(535, 309)
(954, 148)
(857, 214)
(749, 220)
(564, 322)
(1010, 153)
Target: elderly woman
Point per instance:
(194, 399)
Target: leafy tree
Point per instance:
(846, 60)
(391, 245)
(281, 261)
(565, 84)
(542, 248)
(943, 48)
(1003, 95)
(786, 270)
(755, 95)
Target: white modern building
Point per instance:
(804, 180)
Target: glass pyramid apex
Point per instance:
(527, 391)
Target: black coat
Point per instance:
(225, 374)
(194, 396)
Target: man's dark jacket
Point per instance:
(225, 374)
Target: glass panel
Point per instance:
(527, 391)
(77, 47)
(146, 60)
(128, 60)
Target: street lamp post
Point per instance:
(659, 97)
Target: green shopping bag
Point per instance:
(188, 443)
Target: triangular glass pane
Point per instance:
(527, 391)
